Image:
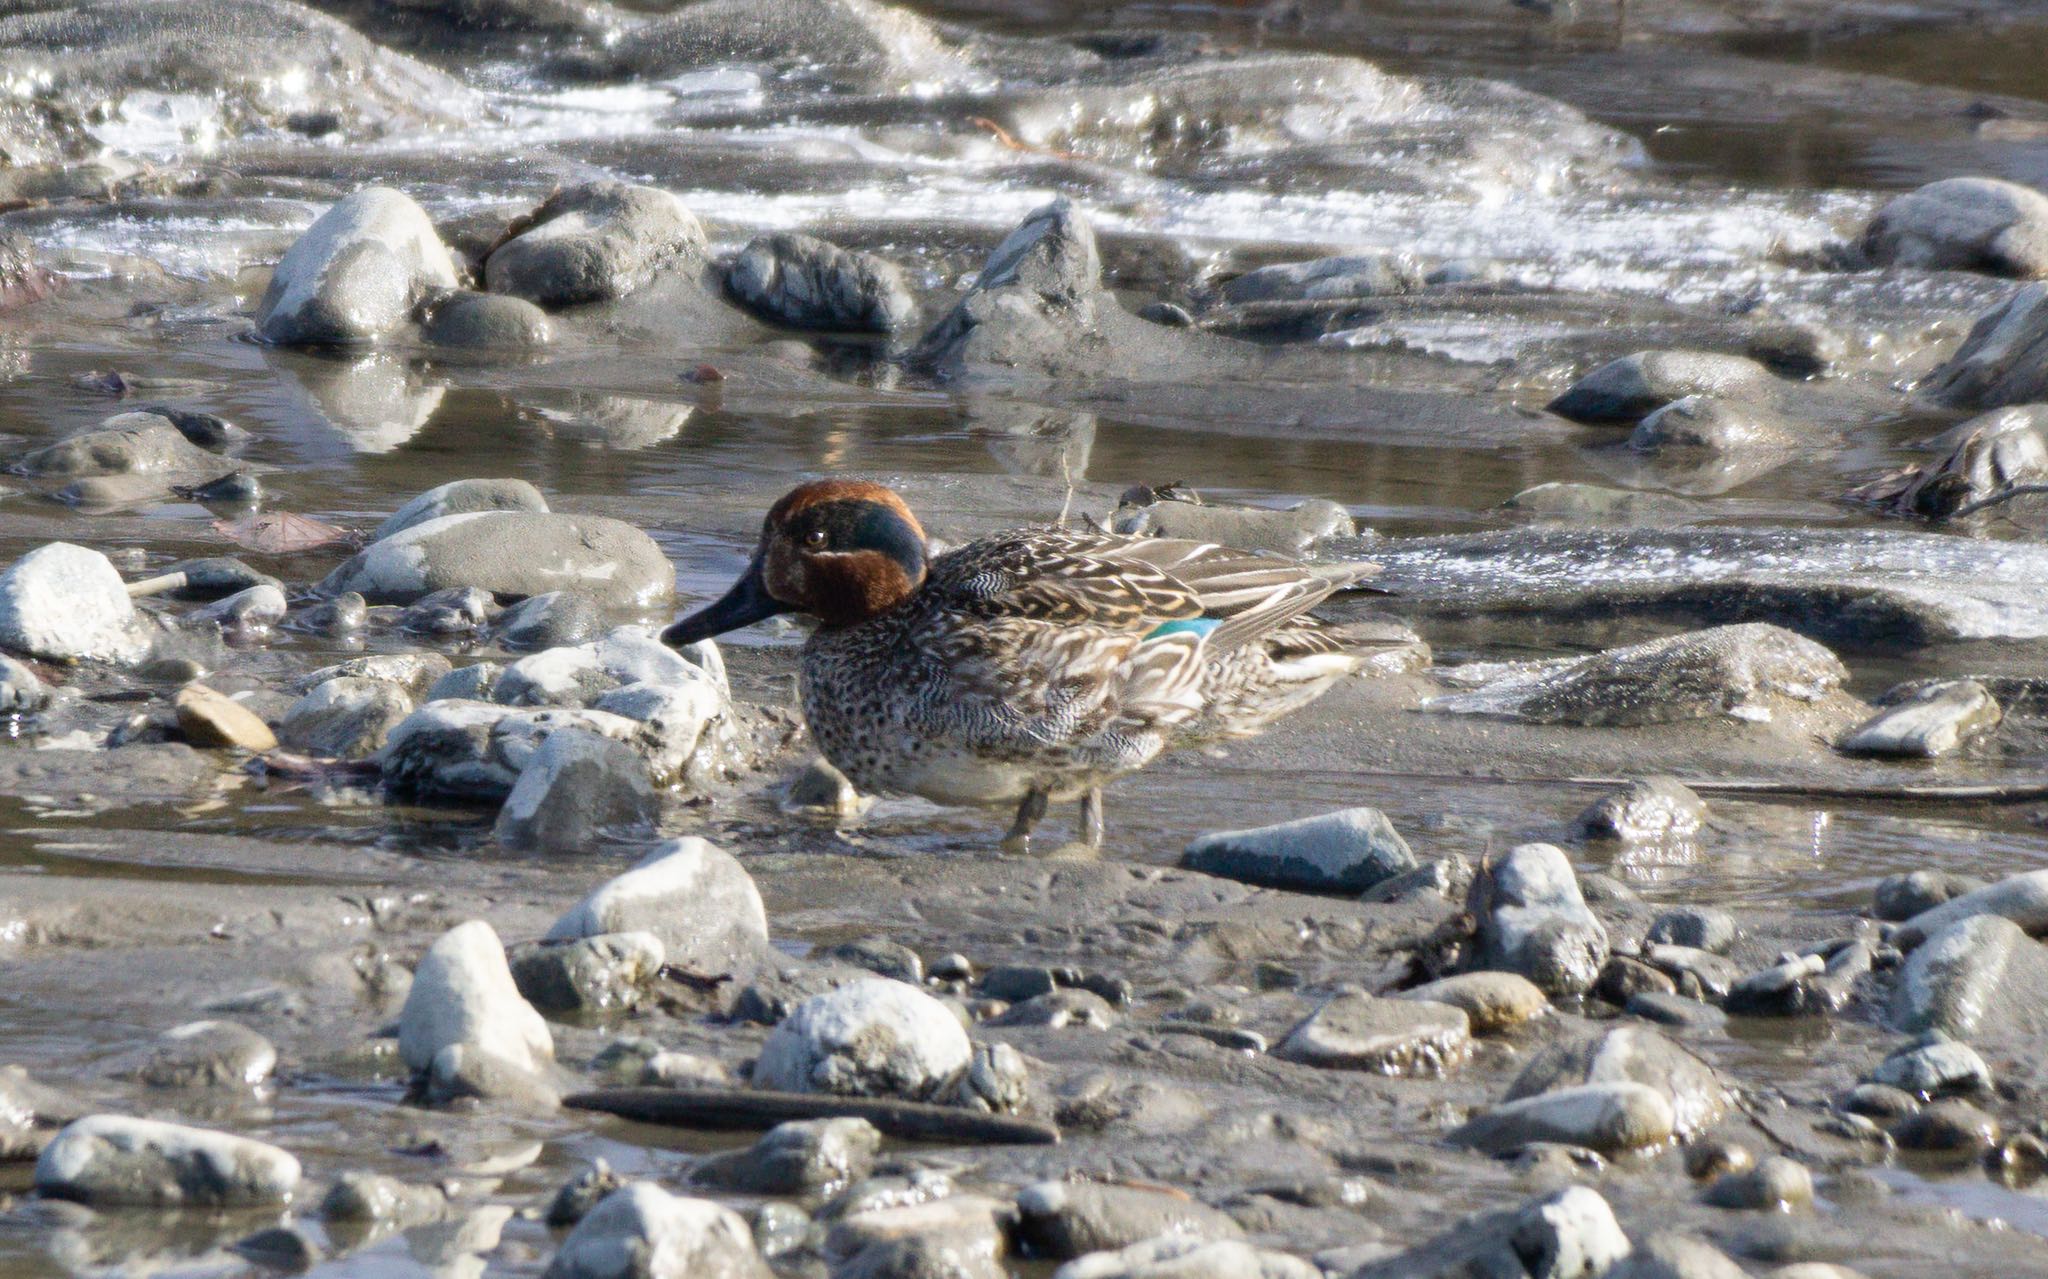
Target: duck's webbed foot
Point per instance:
(1088, 827)
(1030, 811)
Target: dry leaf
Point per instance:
(282, 533)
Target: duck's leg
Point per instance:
(1089, 828)
(1029, 812)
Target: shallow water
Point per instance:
(1700, 193)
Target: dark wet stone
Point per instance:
(236, 488)
(1627, 389)
(1698, 927)
(455, 610)
(608, 971)
(1902, 896)
(1061, 1008)
(550, 620)
(1569, 1232)
(1649, 809)
(1711, 424)
(1623, 977)
(1802, 985)
(344, 718)
(2003, 360)
(288, 1248)
(486, 321)
(1068, 1219)
(1533, 921)
(1963, 224)
(1044, 274)
(1015, 983)
(912, 1235)
(1947, 1127)
(1713, 1157)
(1675, 1011)
(807, 283)
(1347, 852)
(594, 243)
(2022, 898)
(1997, 451)
(881, 956)
(582, 1192)
(815, 1156)
(510, 554)
(1776, 1184)
(1879, 1101)
(1631, 1054)
(356, 274)
(1929, 721)
(1384, 1036)
(1981, 977)
(245, 612)
(209, 1054)
(818, 789)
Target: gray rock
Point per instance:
(997, 1081)
(577, 791)
(1631, 1054)
(65, 603)
(1447, 878)
(2022, 898)
(1067, 1219)
(1711, 424)
(1933, 720)
(582, 1192)
(1604, 1117)
(1385, 1036)
(552, 620)
(587, 974)
(373, 1197)
(1059, 1009)
(1933, 1067)
(1963, 224)
(807, 283)
(463, 497)
(1735, 671)
(1491, 1001)
(818, 789)
(882, 957)
(1533, 921)
(1948, 1127)
(22, 691)
(344, 718)
(486, 321)
(812, 1156)
(1675, 1256)
(247, 612)
(1341, 852)
(1676, 1011)
(413, 672)
(846, 44)
(511, 554)
(1801, 985)
(643, 1232)
(463, 993)
(1326, 279)
(685, 726)
(581, 675)
(1594, 503)
(1902, 896)
(1776, 1184)
(30, 1113)
(1147, 512)
(455, 610)
(594, 243)
(691, 894)
(1570, 1234)
(113, 1160)
(1696, 927)
(356, 273)
(1628, 389)
(209, 1054)
(473, 683)
(1978, 978)
(287, 1248)
(141, 443)
(1650, 809)
(1184, 1258)
(872, 1037)
(446, 750)
(1038, 286)
(900, 1232)
(1983, 457)
(2003, 360)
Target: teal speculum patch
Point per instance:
(1186, 626)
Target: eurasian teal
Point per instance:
(1029, 666)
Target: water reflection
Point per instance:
(373, 403)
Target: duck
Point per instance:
(1033, 666)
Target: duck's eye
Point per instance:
(814, 540)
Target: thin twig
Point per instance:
(1999, 498)
(156, 585)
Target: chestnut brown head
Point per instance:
(841, 550)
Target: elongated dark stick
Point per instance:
(717, 1108)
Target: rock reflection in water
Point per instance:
(374, 403)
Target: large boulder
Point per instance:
(594, 243)
(463, 497)
(463, 994)
(114, 1161)
(1980, 978)
(693, 895)
(140, 443)
(511, 554)
(872, 1037)
(2003, 360)
(1039, 288)
(65, 603)
(1964, 224)
(356, 274)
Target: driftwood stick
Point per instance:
(156, 585)
(717, 1108)
(1985, 792)
(2001, 496)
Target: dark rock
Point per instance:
(1998, 451)
(551, 620)
(1776, 1184)
(1909, 893)
(587, 974)
(594, 243)
(815, 1156)
(1651, 809)
(1344, 852)
(1697, 927)
(1947, 1127)
(344, 718)
(1963, 224)
(1628, 389)
(1068, 1219)
(2003, 360)
(881, 956)
(806, 283)
(209, 1054)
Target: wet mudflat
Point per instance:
(1692, 427)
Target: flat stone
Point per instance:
(1937, 719)
(1650, 809)
(344, 718)
(1341, 852)
(806, 283)
(643, 1232)
(871, 1037)
(1628, 389)
(356, 273)
(1571, 1232)
(692, 895)
(1948, 1127)
(65, 603)
(374, 1197)
(209, 1054)
(113, 1160)
(1676, 1011)
(463, 497)
(901, 1231)
(1184, 1258)
(578, 790)
(486, 321)
(1710, 424)
(587, 974)
(511, 554)
(138, 443)
(1493, 1002)
(1963, 224)
(210, 718)
(1978, 978)
(1698, 927)
(1604, 1117)
(1067, 1219)
(1631, 1054)
(463, 993)
(1533, 921)
(2021, 898)
(594, 243)
(811, 1156)
(1386, 1036)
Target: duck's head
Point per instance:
(840, 550)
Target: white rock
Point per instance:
(68, 604)
(2023, 899)
(463, 993)
(690, 893)
(511, 554)
(873, 1037)
(113, 1159)
(1606, 1117)
(641, 1231)
(463, 497)
(356, 272)
(1180, 1257)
